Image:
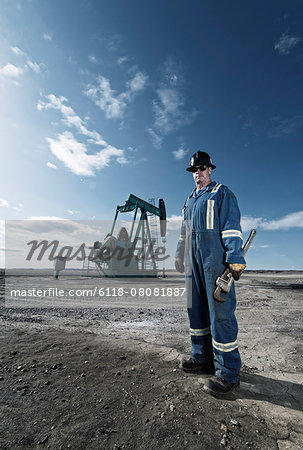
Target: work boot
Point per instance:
(218, 387)
(192, 366)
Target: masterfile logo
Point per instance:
(139, 248)
(37, 244)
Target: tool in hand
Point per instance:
(226, 280)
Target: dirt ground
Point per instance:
(103, 372)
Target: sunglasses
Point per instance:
(201, 168)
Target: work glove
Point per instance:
(237, 270)
(179, 265)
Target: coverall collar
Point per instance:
(205, 189)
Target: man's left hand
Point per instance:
(237, 270)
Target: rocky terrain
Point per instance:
(103, 372)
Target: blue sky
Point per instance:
(100, 99)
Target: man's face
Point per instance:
(202, 177)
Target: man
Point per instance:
(211, 240)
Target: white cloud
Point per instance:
(104, 97)
(286, 126)
(47, 37)
(180, 153)
(286, 43)
(289, 221)
(169, 112)
(167, 109)
(58, 227)
(29, 63)
(249, 222)
(75, 157)
(169, 106)
(83, 72)
(122, 60)
(109, 101)
(18, 208)
(45, 218)
(155, 138)
(34, 66)
(11, 71)
(174, 222)
(92, 59)
(172, 72)
(70, 118)
(17, 51)
(293, 220)
(51, 165)
(70, 151)
(3, 202)
(113, 42)
(136, 84)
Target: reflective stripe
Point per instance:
(199, 331)
(182, 237)
(210, 215)
(232, 233)
(216, 188)
(229, 347)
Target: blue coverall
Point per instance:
(211, 237)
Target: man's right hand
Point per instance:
(237, 270)
(179, 265)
